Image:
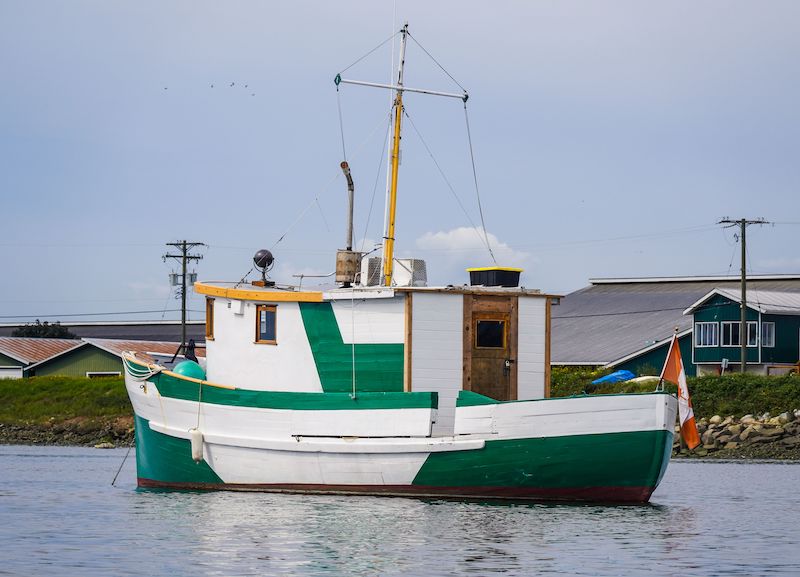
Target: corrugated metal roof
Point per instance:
(767, 302)
(31, 350)
(607, 321)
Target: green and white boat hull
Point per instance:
(612, 448)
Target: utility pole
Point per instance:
(743, 223)
(184, 247)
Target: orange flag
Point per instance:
(674, 373)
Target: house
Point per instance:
(169, 331)
(28, 357)
(773, 330)
(18, 354)
(627, 323)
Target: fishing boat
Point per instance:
(382, 385)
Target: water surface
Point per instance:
(60, 516)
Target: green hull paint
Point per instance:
(379, 367)
(177, 388)
(636, 459)
(163, 458)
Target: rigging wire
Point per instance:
(341, 122)
(375, 185)
(437, 62)
(475, 178)
(447, 182)
(370, 52)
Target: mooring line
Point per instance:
(125, 458)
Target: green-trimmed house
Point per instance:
(773, 331)
(628, 323)
(28, 357)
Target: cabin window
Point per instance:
(731, 336)
(209, 319)
(706, 334)
(490, 334)
(767, 334)
(266, 326)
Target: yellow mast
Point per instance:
(388, 239)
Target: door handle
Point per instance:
(507, 367)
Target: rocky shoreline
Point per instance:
(81, 432)
(748, 437)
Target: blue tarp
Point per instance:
(615, 377)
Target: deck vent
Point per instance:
(501, 276)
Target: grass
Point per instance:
(733, 394)
(46, 399)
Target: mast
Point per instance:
(387, 259)
(394, 163)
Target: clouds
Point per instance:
(450, 252)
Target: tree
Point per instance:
(45, 330)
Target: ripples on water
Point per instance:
(60, 516)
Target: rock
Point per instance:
(724, 438)
(727, 421)
(765, 417)
(710, 446)
(701, 452)
(731, 445)
(785, 417)
(735, 429)
(747, 419)
(790, 441)
(796, 413)
(747, 433)
(758, 439)
(775, 421)
(715, 420)
(774, 432)
(708, 437)
(104, 446)
(702, 422)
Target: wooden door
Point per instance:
(490, 346)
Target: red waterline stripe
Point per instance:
(581, 494)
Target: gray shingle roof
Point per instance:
(614, 318)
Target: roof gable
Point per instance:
(763, 301)
(30, 351)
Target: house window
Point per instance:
(266, 326)
(209, 319)
(731, 336)
(752, 334)
(706, 334)
(767, 334)
(102, 374)
(490, 334)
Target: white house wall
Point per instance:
(234, 358)
(437, 351)
(531, 359)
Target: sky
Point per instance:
(609, 138)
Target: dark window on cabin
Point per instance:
(266, 325)
(490, 334)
